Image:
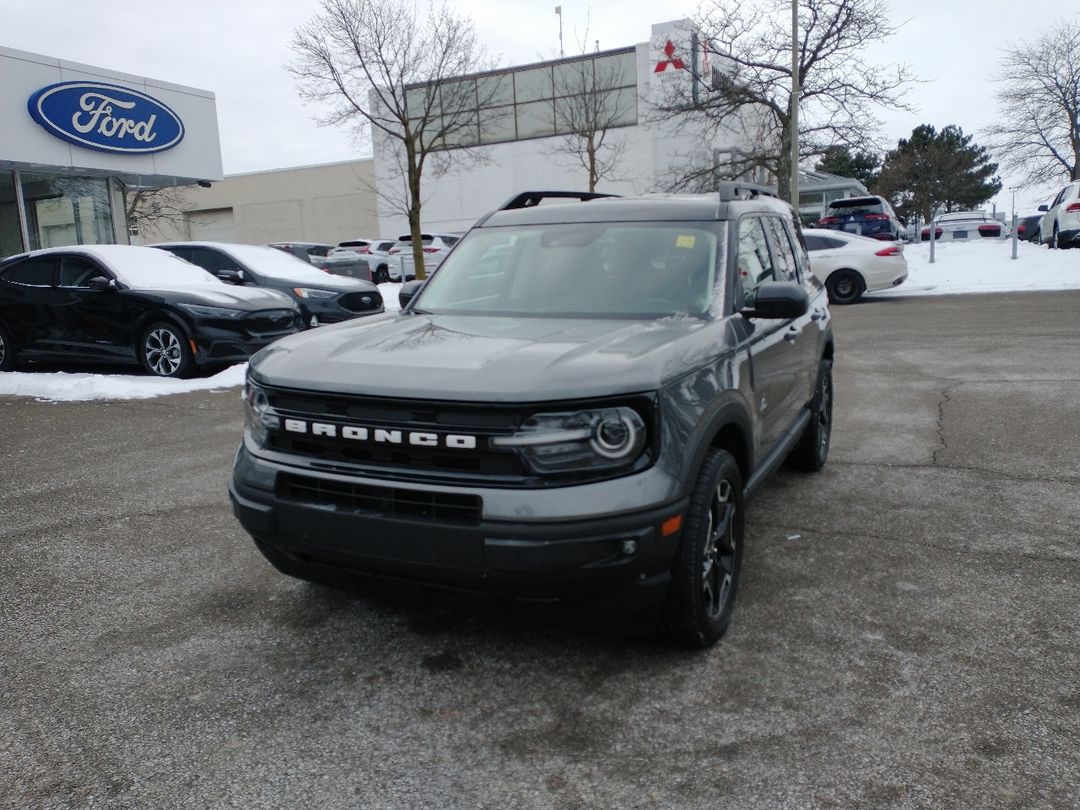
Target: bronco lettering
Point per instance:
(381, 435)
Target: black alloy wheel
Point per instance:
(812, 451)
(844, 287)
(7, 352)
(164, 351)
(705, 577)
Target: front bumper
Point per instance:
(622, 558)
(213, 346)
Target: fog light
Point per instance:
(629, 547)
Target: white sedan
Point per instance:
(850, 265)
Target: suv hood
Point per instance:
(491, 359)
(224, 295)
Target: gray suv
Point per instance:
(575, 406)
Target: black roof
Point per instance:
(650, 208)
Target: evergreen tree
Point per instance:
(933, 172)
(841, 161)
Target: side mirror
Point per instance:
(1044, 207)
(99, 283)
(231, 276)
(408, 291)
(778, 299)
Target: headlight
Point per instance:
(200, 311)
(306, 292)
(598, 439)
(258, 415)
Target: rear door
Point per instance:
(25, 302)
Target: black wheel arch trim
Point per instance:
(156, 315)
(727, 421)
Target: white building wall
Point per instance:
(488, 176)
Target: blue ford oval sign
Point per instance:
(106, 117)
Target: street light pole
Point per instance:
(558, 10)
(795, 105)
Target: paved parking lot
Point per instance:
(907, 631)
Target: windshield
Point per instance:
(596, 269)
(151, 269)
(266, 261)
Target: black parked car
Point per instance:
(127, 304)
(585, 396)
(1028, 228)
(323, 298)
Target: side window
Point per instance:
(814, 243)
(753, 262)
(783, 253)
(35, 272)
(212, 261)
(76, 271)
(1059, 197)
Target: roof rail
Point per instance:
(734, 190)
(527, 199)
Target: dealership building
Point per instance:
(76, 138)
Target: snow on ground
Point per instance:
(986, 266)
(976, 267)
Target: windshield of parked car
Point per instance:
(595, 269)
(145, 268)
(272, 263)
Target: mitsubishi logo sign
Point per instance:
(672, 59)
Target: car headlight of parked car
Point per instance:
(594, 439)
(307, 292)
(200, 311)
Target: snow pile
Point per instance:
(986, 266)
(64, 387)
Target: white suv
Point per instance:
(1061, 222)
(435, 245)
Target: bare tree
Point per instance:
(157, 212)
(1038, 136)
(750, 46)
(377, 65)
(593, 96)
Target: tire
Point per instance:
(1053, 243)
(164, 351)
(705, 576)
(844, 287)
(7, 352)
(812, 451)
(382, 274)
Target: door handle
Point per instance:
(792, 334)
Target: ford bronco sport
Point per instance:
(577, 404)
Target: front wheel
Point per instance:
(706, 573)
(844, 287)
(382, 274)
(7, 352)
(164, 352)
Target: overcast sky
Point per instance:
(239, 50)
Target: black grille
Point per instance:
(391, 502)
(272, 322)
(361, 302)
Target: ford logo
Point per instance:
(106, 117)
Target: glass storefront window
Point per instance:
(10, 233)
(536, 119)
(66, 210)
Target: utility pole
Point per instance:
(558, 10)
(795, 105)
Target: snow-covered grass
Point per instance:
(986, 266)
(976, 267)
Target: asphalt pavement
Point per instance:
(906, 633)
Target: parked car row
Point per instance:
(377, 260)
(174, 308)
